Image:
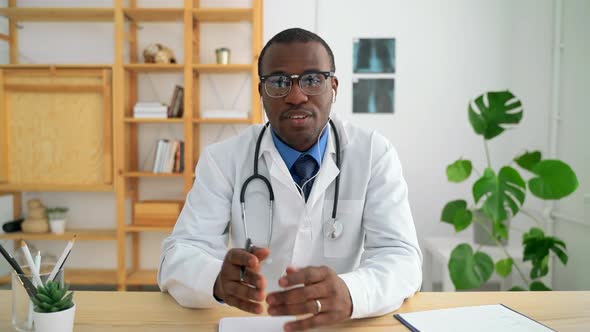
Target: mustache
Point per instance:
(296, 111)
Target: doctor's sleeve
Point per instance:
(193, 254)
(391, 265)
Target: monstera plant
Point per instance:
(499, 195)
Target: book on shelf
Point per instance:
(176, 107)
(169, 156)
(146, 110)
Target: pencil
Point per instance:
(62, 259)
(25, 282)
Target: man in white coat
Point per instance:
(364, 263)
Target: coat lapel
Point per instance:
(276, 165)
(328, 171)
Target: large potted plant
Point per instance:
(499, 195)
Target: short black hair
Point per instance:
(295, 35)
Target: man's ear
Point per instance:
(334, 85)
(260, 89)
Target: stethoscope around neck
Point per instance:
(332, 228)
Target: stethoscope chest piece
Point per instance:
(332, 229)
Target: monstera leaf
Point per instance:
(469, 270)
(504, 266)
(456, 213)
(555, 179)
(539, 286)
(537, 247)
(507, 190)
(528, 160)
(502, 108)
(459, 170)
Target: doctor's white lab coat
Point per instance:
(377, 256)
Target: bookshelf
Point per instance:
(122, 129)
(126, 80)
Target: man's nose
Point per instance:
(296, 95)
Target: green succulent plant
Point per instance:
(52, 298)
(57, 209)
(500, 196)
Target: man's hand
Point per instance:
(319, 284)
(247, 293)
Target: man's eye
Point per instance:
(311, 80)
(279, 82)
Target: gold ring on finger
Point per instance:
(318, 306)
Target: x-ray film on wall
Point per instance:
(374, 56)
(373, 95)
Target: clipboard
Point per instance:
(484, 318)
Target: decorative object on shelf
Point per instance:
(54, 308)
(158, 53)
(57, 219)
(13, 226)
(36, 221)
(223, 56)
(500, 196)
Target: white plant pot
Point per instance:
(57, 226)
(61, 321)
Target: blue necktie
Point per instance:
(305, 167)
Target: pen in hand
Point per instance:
(249, 248)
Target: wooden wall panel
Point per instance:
(3, 134)
(55, 138)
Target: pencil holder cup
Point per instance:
(22, 306)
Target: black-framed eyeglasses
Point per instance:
(311, 83)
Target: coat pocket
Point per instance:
(350, 214)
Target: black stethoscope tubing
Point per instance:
(255, 176)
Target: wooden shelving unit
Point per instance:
(138, 229)
(83, 277)
(153, 67)
(81, 235)
(142, 277)
(73, 276)
(226, 15)
(154, 14)
(134, 120)
(58, 14)
(150, 174)
(127, 78)
(123, 129)
(221, 69)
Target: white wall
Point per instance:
(447, 52)
(572, 139)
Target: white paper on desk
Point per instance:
(259, 324)
(484, 318)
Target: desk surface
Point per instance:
(152, 311)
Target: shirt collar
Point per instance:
(290, 155)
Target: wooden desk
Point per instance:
(152, 311)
